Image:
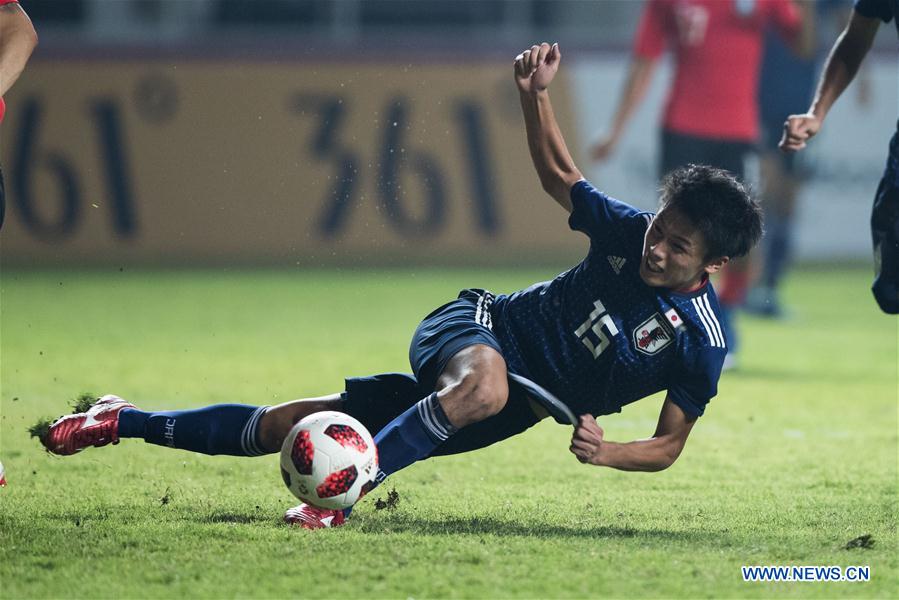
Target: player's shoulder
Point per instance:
(584, 194)
(698, 315)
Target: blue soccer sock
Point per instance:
(218, 429)
(412, 436)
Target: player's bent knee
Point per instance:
(474, 385)
(488, 398)
(474, 398)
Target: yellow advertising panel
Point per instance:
(216, 161)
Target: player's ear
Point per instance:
(716, 264)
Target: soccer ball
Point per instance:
(329, 460)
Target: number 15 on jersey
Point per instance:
(598, 319)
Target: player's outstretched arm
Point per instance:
(535, 69)
(654, 454)
(17, 41)
(843, 63)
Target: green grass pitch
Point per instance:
(795, 457)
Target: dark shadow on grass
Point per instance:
(489, 525)
(243, 519)
(80, 519)
(382, 522)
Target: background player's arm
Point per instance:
(653, 454)
(638, 78)
(843, 63)
(17, 40)
(657, 22)
(534, 70)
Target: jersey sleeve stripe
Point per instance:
(710, 319)
(700, 311)
(717, 325)
(702, 319)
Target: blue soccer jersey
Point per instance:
(885, 10)
(598, 337)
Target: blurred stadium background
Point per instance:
(315, 132)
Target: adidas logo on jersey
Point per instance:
(616, 263)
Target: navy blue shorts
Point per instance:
(464, 322)
(449, 329)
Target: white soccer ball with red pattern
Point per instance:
(329, 460)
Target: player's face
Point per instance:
(674, 253)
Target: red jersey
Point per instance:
(717, 47)
(2, 103)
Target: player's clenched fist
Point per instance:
(536, 67)
(587, 439)
(798, 129)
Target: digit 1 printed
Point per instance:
(108, 122)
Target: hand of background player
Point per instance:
(536, 68)
(798, 129)
(604, 148)
(586, 439)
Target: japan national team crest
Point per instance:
(653, 335)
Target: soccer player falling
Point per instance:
(638, 315)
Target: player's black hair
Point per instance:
(718, 205)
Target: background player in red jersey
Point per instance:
(17, 41)
(711, 114)
(843, 63)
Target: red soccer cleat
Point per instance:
(310, 517)
(96, 427)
